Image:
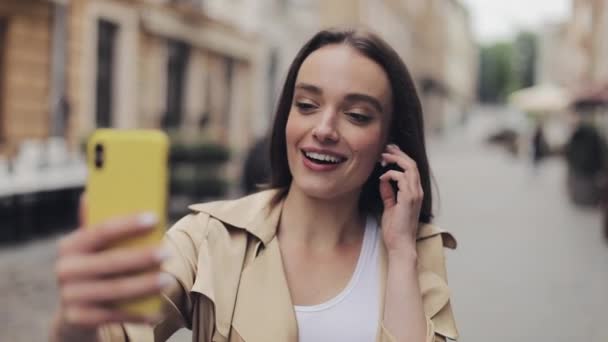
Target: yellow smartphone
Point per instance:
(127, 174)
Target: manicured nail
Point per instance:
(163, 280)
(393, 146)
(162, 254)
(383, 163)
(148, 220)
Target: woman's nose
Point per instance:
(325, 130)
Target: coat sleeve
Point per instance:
(441, 325)
(183, 241)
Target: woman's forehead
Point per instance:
(339, 70)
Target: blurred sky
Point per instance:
(495, 20)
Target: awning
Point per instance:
(541, 99)
(209, 37)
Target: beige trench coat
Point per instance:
(232, 287)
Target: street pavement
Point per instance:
(530, 266)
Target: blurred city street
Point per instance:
(529, 266)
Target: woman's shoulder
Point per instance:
(233, 209)
(430, 246)
(430, 230)
(253, 214)
(431, 243)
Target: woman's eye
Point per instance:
(305, 106)
(359, 118)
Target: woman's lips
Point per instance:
(319, 167)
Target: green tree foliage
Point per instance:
(525, 58)
(496, 74)
(506, 67)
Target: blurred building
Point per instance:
(283, 26)
(202, 69)
(559, 61)
(435, 40)
(68, 67)
(29, 71)
(574, 54)
(162, 63)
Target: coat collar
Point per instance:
(253, 213)
(258, 217)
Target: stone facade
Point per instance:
(209, 69)
(434, 39)
(69, 67)
(25, 71)
(574, 53)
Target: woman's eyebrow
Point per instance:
(309, 87)
(353, 97)
(365, 98)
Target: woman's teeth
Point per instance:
(322, 157)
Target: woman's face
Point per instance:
(338, 122)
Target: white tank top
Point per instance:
(353, 315)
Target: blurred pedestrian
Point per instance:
(330, 253)
(586, 157)
(540, 147)
(256, 170)
(604, 202)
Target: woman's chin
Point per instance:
(322, 191)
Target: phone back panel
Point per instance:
(131, 179)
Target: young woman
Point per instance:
(339, 249)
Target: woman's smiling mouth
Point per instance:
(322, 160)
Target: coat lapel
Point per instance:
(264, 311)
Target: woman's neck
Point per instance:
(320, 224)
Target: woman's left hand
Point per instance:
(401, 210)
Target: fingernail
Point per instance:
(393, 146)
(383, 163)
(148, 220)
(163, 280)
(162, 254)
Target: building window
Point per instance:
(60, 107)
(179, 55)
(228, 82)
(206, 117)
(3, 50)
(106, 55)
(273, 71)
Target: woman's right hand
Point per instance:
(92, 277)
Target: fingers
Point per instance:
(410, 171)
(114, 290)
(394, 155)
(408, 181)
(94, 275)
(108, 263)
(93, 316)
(103, 235)
(398, 177)
(405, 162)
(386, 192)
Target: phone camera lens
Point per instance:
(99, 156)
